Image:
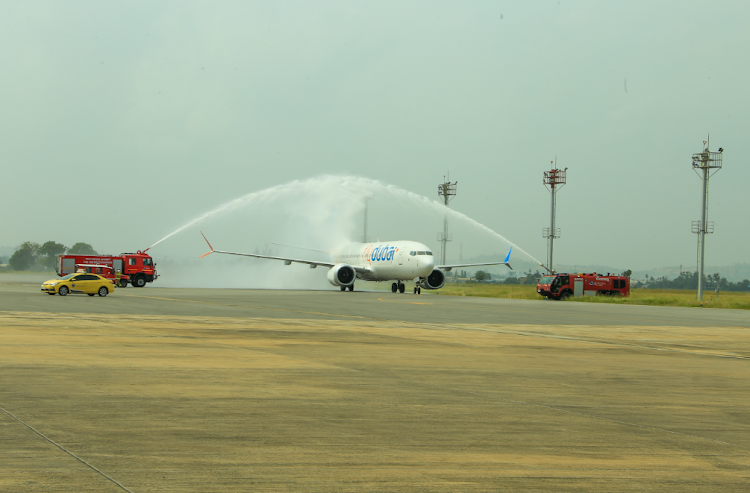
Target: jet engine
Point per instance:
(435, 280)
(342, 275)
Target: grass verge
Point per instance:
(655, 297)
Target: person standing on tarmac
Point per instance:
(118, 275)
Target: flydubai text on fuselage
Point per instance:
(389, 261)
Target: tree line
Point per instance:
(689, 280)
(32, 255)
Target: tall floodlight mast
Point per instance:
(554, 180)
(709, 163)
(447, 191)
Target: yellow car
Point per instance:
(79, 283)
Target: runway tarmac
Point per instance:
(20, 290)
(242, 390)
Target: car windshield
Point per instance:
(67, 277)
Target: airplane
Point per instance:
(381, 261)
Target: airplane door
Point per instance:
(400, 258)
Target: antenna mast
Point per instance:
(554, 180)
(447, 191)
(705, 161)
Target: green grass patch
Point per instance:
(655, 297)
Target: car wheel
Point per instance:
(51, 294)
(91, 294)
(63, 291)
(103, 292)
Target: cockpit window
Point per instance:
(412, 253)
(429, 253)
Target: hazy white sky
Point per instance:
(124, 120)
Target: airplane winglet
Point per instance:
(507, 257)
(209, 246)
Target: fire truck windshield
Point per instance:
(546, 279)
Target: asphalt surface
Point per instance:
(246, 390)
(23, 291)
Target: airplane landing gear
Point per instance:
(401, 288)
(398, 287)
(417, 290)
(343, 288)
(394, 287)
(351, 288)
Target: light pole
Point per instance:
(705, 164)
(554, 180)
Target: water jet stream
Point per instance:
(352, 186)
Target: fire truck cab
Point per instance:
(563, 286)
(136, 268)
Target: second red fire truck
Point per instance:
(135, 268)
(564, 286)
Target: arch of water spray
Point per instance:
(351, 187)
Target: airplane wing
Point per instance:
(288, 261)
(448, 268)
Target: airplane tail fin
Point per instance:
(209, 246)
(507, 257)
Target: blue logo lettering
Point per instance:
(383, 253)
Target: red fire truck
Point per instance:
(137, 268)
(564, 286)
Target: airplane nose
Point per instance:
(430, 262)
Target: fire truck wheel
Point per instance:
(123, 283)
(102, 292)
(63, 290)
(138, 282)
(565, 296)
(616, 294)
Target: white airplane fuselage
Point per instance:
(379, 261)
(385, 261)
